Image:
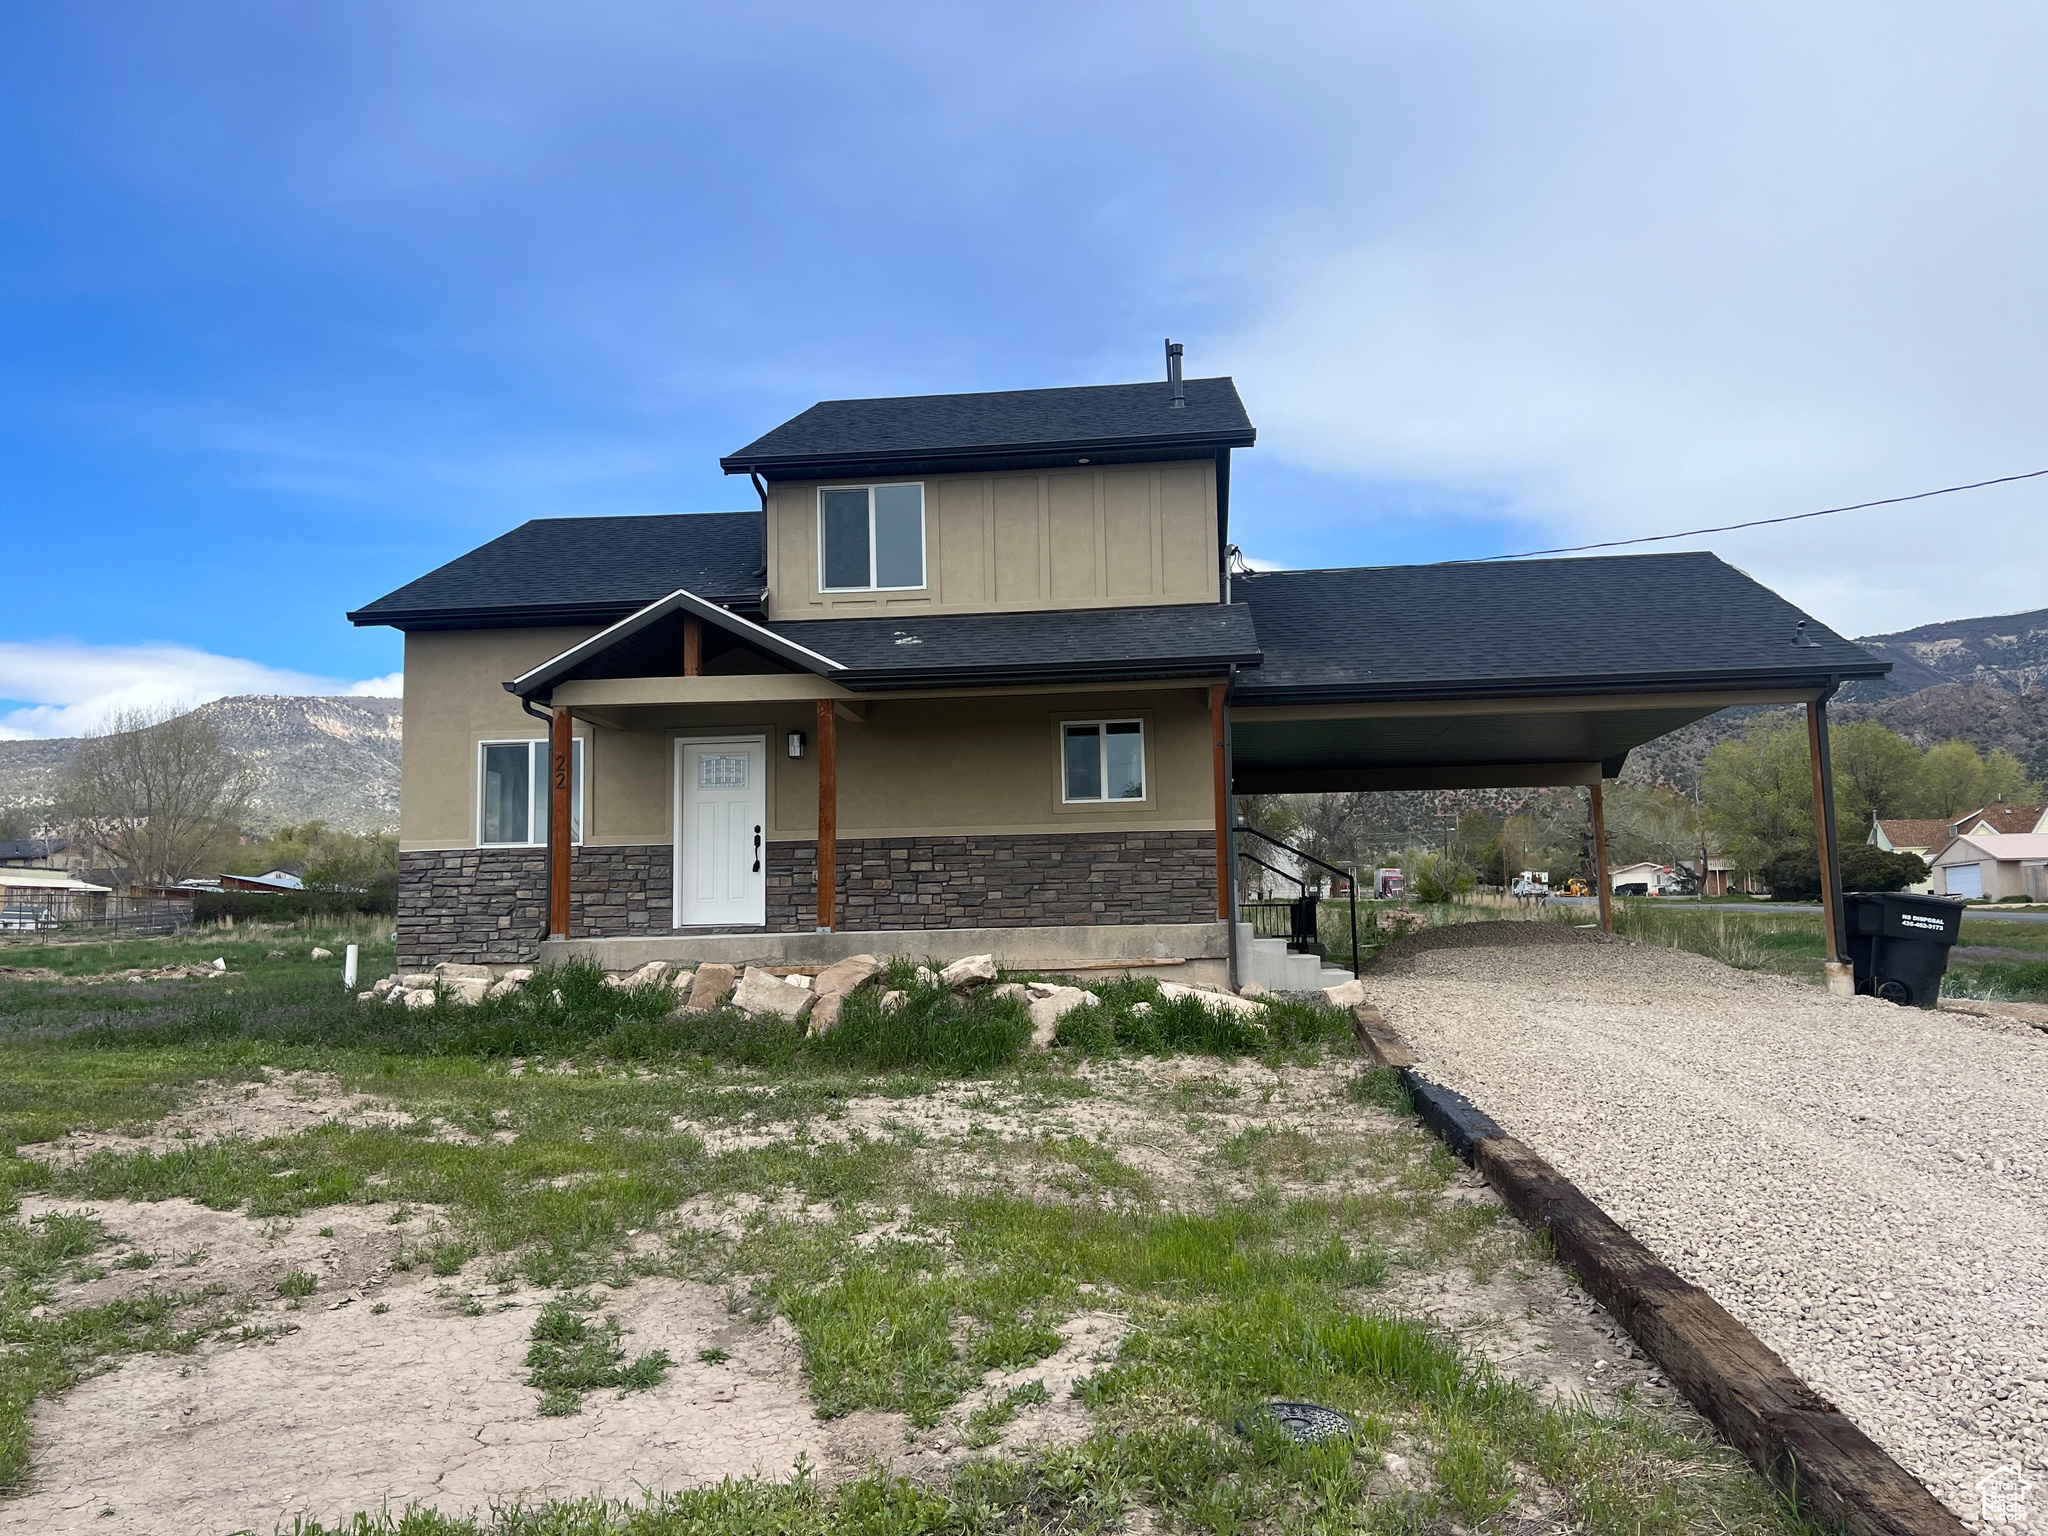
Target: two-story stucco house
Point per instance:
(977, 675)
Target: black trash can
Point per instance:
(1899, 944)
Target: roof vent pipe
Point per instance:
(1180, 396)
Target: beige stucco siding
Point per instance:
(455, 698)
(924, 766)
(1119, 535)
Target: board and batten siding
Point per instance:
(1078, 538)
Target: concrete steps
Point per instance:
(1271, 964)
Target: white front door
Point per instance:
(721, 827)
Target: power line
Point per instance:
(1761, 522)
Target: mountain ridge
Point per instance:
(311, 757)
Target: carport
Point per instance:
(1512, 675)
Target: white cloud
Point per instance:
(68, 687)
(1695, 272)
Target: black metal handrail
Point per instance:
(1350, 880)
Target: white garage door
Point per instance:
(1966, 879)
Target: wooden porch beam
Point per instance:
(561, 771)
(693, 645)
(1219, 734)
(828, 817)
(1606, 891)
(1824, 826)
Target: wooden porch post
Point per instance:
(1824, 825)
(693, 645)
(1220, 740)
(561, 769)
(828, 818)
(1600, 861)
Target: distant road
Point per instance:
(1739, 906)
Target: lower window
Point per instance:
(513, 799)
(1104, 759)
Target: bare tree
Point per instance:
(156, 793)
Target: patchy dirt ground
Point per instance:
(388, 1386)
(279, 1104)
(1865, 1186)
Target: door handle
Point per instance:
(757, 850)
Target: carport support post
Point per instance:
(693, 645)
(561, 756)
(1824, 836)
(1600, 860)
(828, 818)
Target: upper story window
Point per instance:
(870, 538)
(1104, 760)
(512, 795)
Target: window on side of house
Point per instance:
(1103, 760)
(870, 538)
(512, 798)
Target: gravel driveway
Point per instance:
(1864, 1186)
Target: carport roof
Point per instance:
(1513, 674)
(1621, 622)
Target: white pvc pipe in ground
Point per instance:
(348, 969)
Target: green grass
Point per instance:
(1253, 1276)
(572, 1355)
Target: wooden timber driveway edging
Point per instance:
(1798, 1439)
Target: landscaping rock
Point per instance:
(449, 970)
(972, 971)
(419, 998)
(1345, 995)
(848, 975)
(368, 997)
(712, 986)
(323, 954)
(826, 1012)
(380, 988)
(1253, 989)
(1047, 1011)
(469, 989)
(759, 992)
(799, 979)
(926, 976)
(417, 980)
(1139, 1010)
(519, 975)
(1015, 989)
(502, 988)
(681, 982)
(892, 1000)
(1217, 1002)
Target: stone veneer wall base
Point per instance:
(488, 905)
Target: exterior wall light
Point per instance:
(796, 743)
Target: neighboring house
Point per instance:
(1993, 867)
(1930, 838)
(50, 894)
(40, 853)
(978, 674)
(276, 880)
(1644, 879)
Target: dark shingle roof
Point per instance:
(1443, 630)
(927, 427)
(568, 570)
(1067, 644)
(39, 847)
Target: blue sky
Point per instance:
(298, 302)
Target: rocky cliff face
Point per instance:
(330, 759)
(2006, 651)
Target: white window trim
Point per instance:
(536, 785)
(923, 541)
(1102, 761)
